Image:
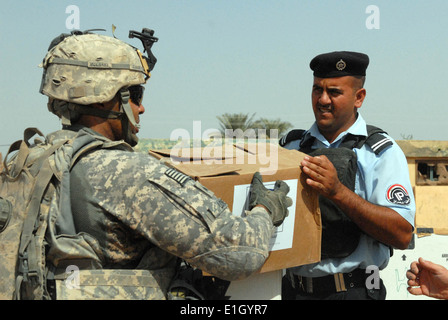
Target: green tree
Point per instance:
(277, 124)
(235, 121)
(244, 122)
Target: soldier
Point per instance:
(136, 214)
(362, 176)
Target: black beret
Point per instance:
(339, 64)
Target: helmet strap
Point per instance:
(129, 137)
(70, 112)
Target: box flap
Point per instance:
(202, 162)
(211, 153)
(197, 170)
(230, 159)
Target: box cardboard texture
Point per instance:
(223, 167)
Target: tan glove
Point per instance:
(275, 201)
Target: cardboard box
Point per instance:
(224, 169)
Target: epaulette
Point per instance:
(291, 136)
(376, 140)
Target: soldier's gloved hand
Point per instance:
(275, 200)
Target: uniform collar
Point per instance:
(359, 128)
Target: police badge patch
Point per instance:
(397, 194)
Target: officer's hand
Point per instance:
(322, 175)
(275, 201)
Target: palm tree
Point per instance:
(235, 121)
(244, 122)
(270, 125)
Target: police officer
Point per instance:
(136, 215)
(362, 177)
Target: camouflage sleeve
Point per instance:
(182, 217)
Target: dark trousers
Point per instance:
(324, 289)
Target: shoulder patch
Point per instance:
(397, 194)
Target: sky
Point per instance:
(240, 56)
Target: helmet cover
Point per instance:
(91, 68)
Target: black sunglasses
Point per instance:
(136, 94)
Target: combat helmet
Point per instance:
(83, 68)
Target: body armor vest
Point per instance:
(340, 235)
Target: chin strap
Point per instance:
(129, 137)
(126, 107)
(70, 112)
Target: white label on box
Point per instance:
(282, 238)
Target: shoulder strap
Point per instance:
(28, 253)
(376, 139)
(22, 146)
(291, 136)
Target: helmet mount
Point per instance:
(148, 39)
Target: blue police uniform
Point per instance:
(381, 179)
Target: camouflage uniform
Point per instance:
(142, 215)
(127, 217)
